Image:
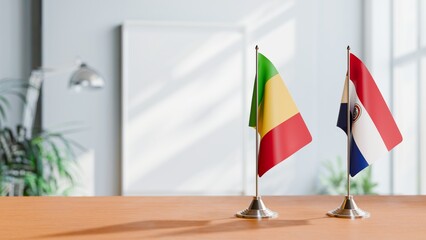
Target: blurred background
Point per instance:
(172, 116)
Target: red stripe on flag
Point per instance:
(282, 141)
(372, 99)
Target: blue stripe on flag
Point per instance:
(342, 119)
(358, 161)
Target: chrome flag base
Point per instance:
(257, 209)
(348, 209)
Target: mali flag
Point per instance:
(281, 127)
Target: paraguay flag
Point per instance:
(281, 127)
(374, 131)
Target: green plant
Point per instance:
(41, 165)
(334, 180)
(38, 165)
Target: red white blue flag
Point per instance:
(374, 131)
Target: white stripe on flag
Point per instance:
(365, 133)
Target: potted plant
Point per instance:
(41, 164)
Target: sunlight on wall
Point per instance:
(202, 54)
(265, 13)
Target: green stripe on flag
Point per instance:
(266, 71)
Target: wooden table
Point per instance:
(301, 217)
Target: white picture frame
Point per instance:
(153, 164)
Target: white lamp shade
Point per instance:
(86, 77)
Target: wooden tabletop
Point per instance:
(301, 217)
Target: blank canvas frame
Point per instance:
(183, 109)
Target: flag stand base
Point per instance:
(348, 209)
(257, 209)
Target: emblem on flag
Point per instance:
(357, 112)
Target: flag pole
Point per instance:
(257, 123)
(348, 209)
(257, 208)
(348, 123)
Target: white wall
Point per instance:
(15, 47)
(311, 56)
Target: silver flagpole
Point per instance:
(257, 208)
(348, 209)
(348, 123)
(257, 123)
